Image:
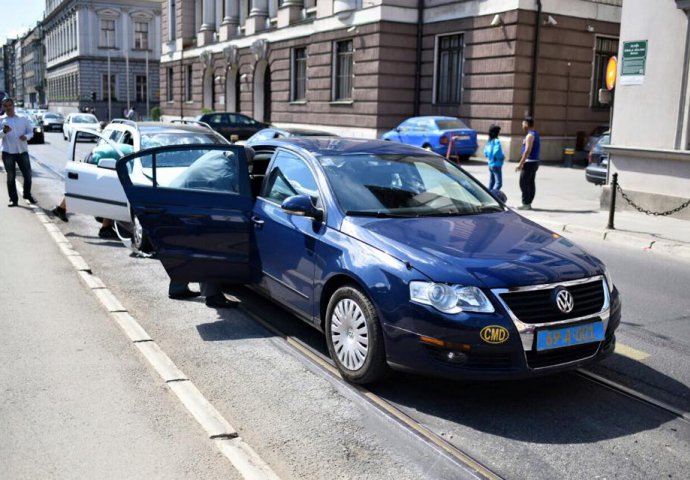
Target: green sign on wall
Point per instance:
(634, 62)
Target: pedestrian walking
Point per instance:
(529, 163)
(16, 132)
(494, 154)
(131, 114)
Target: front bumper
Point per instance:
(515, 358)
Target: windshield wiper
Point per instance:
(379, 214)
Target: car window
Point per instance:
(450, 124)
(84, 119)
(216, 119)
(127, 138)
(240, 120)
(402, 185)
(605, 140)
(178, 138)
(290, 176)
(116, 136)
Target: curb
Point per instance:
(225, 438)
(664, 247)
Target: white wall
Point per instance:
(646, 116)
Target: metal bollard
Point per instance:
(612, 203)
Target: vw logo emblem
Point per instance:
(565, 301)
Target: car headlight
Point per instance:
(609, 280)
(450, 298)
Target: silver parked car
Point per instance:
(53, 121)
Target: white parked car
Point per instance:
(83, 121)
(94, 188)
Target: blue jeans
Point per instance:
(496, 178)
(11, 160)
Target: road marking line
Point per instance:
(226, 439)
(630, 352)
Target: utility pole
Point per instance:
(110, 93)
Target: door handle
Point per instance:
(73, 176)
(257, 221)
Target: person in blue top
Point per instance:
(494, 154)
(529, 163)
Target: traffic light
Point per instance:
(93, 96)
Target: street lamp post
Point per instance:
(110, 96)
(148, 85)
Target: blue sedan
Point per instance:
(435, 134)
(401, 258)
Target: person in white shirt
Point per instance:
(16, 132)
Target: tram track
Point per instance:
(438, 443)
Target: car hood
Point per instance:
(496, 250)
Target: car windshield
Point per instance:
(385, 185)
(84, 119)
(450, 124)
(52, 116)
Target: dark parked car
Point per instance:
(400, 257)
(435, 134)
(229, 124)
(38, 129)
(275, 133)
(598, 160)
(594, 136)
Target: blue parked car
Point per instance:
(434, 134)
(400, 257)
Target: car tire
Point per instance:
(140, 240)
(354, 337)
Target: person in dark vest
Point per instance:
(529, 163)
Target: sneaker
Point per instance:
(525, 206)
(107, 233)
(30, 198)
(61, 213)
(12, 204)
(219, 301)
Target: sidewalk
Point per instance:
(76, 401)
(567, 203)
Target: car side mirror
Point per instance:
(499, 195)
(107, 163)
(301, 206)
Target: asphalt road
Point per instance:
(305, 425)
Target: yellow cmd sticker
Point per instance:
(494, 334)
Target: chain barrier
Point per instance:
(649, 212)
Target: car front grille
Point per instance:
(539, 306)
(559, 356)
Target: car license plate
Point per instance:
(460, 138)
(564, 337)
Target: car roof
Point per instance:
(433, 118)
(318, 146)
(150, 128)
(304, 132)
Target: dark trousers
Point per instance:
(208, 289)
(11, 160)
(527, 184)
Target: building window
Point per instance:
(108, 33)
(449, 69)
(140, 85)
(188, 83)
(141, 35)
(104, 87)
(169, 86)
(604, 49)
(299, 74)
(343, 73)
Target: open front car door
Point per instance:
(195, 203)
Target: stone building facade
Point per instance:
(102, 55)
(33, 68)
(360, 67)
